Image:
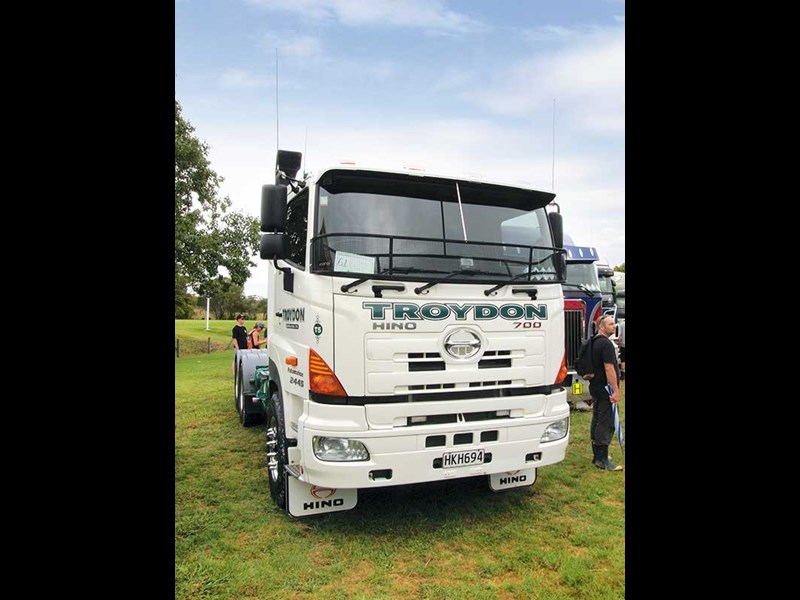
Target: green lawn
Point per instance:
(194, 337)
(564, 537)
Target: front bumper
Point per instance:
(402, 454)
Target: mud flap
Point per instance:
(304, 499)
(512, 479)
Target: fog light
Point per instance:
(338, 449)
(556, 430)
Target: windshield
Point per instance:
(583, 274)
(607, 289)
(376, 223)
(606, 286)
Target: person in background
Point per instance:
(255, 340)
(238, 337)
(606, 371)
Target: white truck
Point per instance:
(416, 333)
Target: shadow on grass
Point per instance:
(423, 506)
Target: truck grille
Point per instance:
(412, 364)
(432, 361)
(573, 332)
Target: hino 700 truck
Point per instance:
(416, 333)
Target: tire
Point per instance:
(246, 418)
(277, 451)
(236, 389)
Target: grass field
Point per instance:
(194, 337)
(564, 537)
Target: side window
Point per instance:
(296, 228)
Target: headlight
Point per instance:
(338, 449)
(556, 431)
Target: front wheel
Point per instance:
(277, 451)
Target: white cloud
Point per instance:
(314, 9)
(586, 76)
(240, 78)
(303, 46)
(453, 80)
(591, 66)
(289, 43)
(594, 215)
(380, 71)
(426, 14)
(548, 33)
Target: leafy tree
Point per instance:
(184, 301)
(226, 298)
(256, 306)
(206, 237)
(620, 268)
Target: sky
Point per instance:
(528, 92)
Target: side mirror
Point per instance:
(561, 266)
(274, 246)
(557, 226)
(273, 208)
(288, 163)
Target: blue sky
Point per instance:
(456, 86)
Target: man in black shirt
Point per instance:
(239, 336)
(606, 371)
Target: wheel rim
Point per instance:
(272, 449)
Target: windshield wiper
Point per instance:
(346, 287)
(513, 279)
(581, 287)
(521, 275)
(430, 284)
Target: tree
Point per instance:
(227, 298)
(256, 307)
(620, 268)
(184, 302)
(206, 237)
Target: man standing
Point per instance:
(239, 337)
(239, 334)
(606, 371)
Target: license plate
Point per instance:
(462, 459)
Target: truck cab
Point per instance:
(416, 332)
(608, 287)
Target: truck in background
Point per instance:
(583, 305)
(619, 286)
(608, 287)
(619, 281)
(416, 333)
